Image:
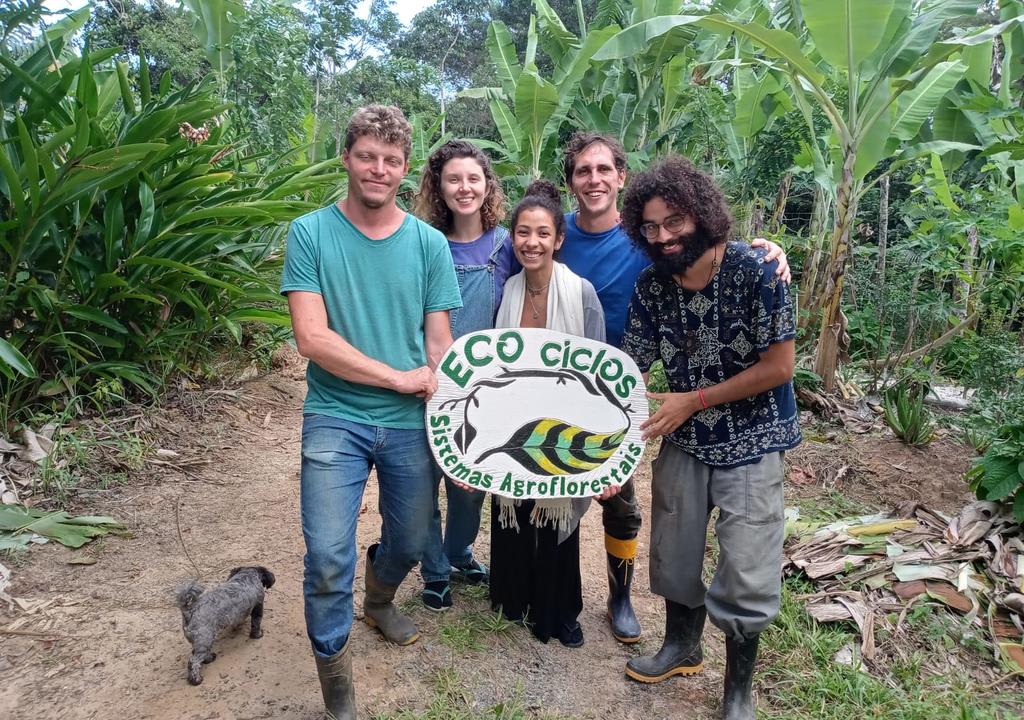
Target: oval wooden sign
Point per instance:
(532, 413)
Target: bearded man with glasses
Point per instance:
(714, 312)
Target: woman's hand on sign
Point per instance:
(608, 492)
(463, 486)
(676, 408)
(421, 382)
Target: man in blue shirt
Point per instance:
(723, 325)
(597, 248)
(369, 289)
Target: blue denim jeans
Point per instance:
(476, 285)
(337, 456)
(461, 527)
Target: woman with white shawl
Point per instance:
(535, 558)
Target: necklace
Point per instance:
(531, 293)
(714, 266)
(529, 297)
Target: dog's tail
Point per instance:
(186, 595)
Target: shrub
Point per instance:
(136, 233)
(999, 473)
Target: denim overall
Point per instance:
(476, 283)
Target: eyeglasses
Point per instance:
(673, 223)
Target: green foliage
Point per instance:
(162, 30)
(17, 524)
(268, 83)
(999, 473)
(137, 235)
(906, 414)
(990, 361)
(806, 379)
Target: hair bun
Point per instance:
(545, 189)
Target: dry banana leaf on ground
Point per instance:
(868, 567)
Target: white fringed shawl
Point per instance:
(565, 314)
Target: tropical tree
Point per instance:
(161, 30)
(878, 70)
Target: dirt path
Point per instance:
(108, 639)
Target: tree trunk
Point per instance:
(925, 349)
(981, 276)
(826, 359)
(779, 212)
(315, 150)
(883, 238)
(809, 289)
(757, 219)
(444, 59)
(912, 328)
(964, 296)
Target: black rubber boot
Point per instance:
(379, 610)
(625, 626)
(681, 653)
(335, 673)
(737, 701)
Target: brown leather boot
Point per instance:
(379, 610)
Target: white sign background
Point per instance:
(531, 413)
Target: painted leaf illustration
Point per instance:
(554, 447)
(464, 436)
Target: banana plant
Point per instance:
(885, 58)
(529, 110)
(215, 21)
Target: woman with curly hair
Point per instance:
(460, 195)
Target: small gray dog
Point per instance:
(208, 614)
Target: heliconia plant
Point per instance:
(130, 228)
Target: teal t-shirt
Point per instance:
(376, 293)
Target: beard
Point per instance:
(694, 245)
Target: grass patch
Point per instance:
(801, 680)
(90, 456)
(829, 506)
(468, 630)
(453, 701)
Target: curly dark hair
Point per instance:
(580, 141)
(429, 204)
(545, 195)
(682, 186)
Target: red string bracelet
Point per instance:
(700, 394)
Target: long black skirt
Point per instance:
(534, 578)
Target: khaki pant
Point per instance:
(745, 592)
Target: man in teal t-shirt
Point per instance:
(369, 288)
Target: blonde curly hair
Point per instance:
(386, 123)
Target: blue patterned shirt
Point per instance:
(707, 336)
